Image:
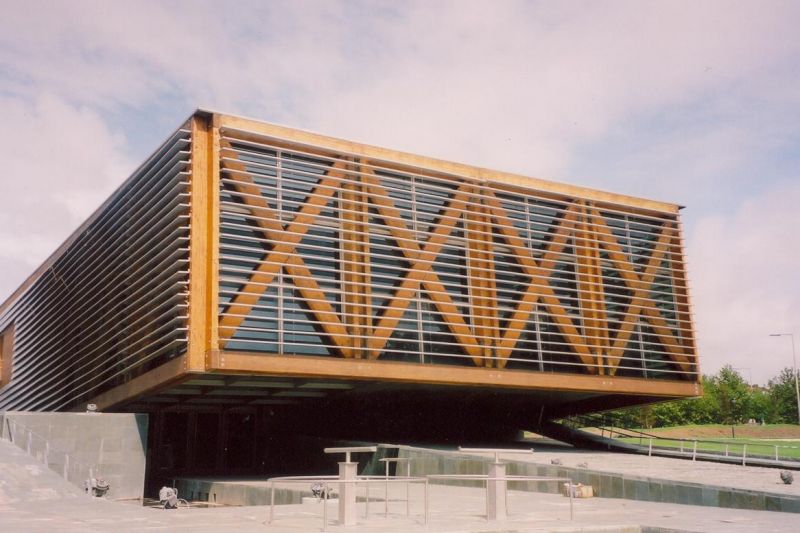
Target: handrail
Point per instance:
(486, 478)
(326, 480)
(696, 447)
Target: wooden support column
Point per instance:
(590, 287)
(355, 263)
(684, 310)
(480, 271)
(204, 243)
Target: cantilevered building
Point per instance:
(247, 266)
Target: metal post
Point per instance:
(569, 491)
(681, 445)
(386, 492)
(408, 487)
(776, 453)
(325, 508)
(271, 501)
(426, 502)
(726, 450)
(744, 455)
(796, 386)
(694, 451)
(650, 448)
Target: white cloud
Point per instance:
(698, 95)
(59, 164)
(743, 269)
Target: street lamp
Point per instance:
(794, 367)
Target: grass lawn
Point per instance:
(760, 440)
(721, 431)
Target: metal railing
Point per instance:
(327, 481)
(695, 448)
(487, 479)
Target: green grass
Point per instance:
(787, 449)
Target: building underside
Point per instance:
(252, 286)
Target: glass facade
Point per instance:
(331, 254)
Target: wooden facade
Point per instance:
(245, 255)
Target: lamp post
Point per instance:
(794, 367)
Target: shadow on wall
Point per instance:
(80, 446)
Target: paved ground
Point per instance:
(718, 474)
(452, 509)
(35, 500)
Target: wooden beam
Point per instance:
(590, 287)
(355, 264)
(6, 354)
(640, 303)
(539, 289)
(387, 371)
(421, 271)
(283, 254)
(244, 127)
(170, 373)
(481, 278)
(204, 242)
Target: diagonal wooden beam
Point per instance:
(283, 255)
(640, 284)
(421, 271)
(541, 292)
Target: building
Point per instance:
(248, 270)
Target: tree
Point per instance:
(733, 395)
(782, 395)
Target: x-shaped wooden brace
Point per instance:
(420, 272)
(283, 254)
(640, 302)
(539, 291)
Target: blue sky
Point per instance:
(696, 103)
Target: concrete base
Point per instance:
(496, 492)
(347, 494)
(620, 484)
(78, 446)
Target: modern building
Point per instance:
(248, 271)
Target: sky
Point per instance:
(695, 103)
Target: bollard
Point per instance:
(272, 502)
(325, 509)
(347, 494)
(497, 492)
(386, 493)
(348, 472)
(726, 450)
(650, 448)
(776, 453)
(694, 451)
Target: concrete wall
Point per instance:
(605, 484)
(112, 446)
